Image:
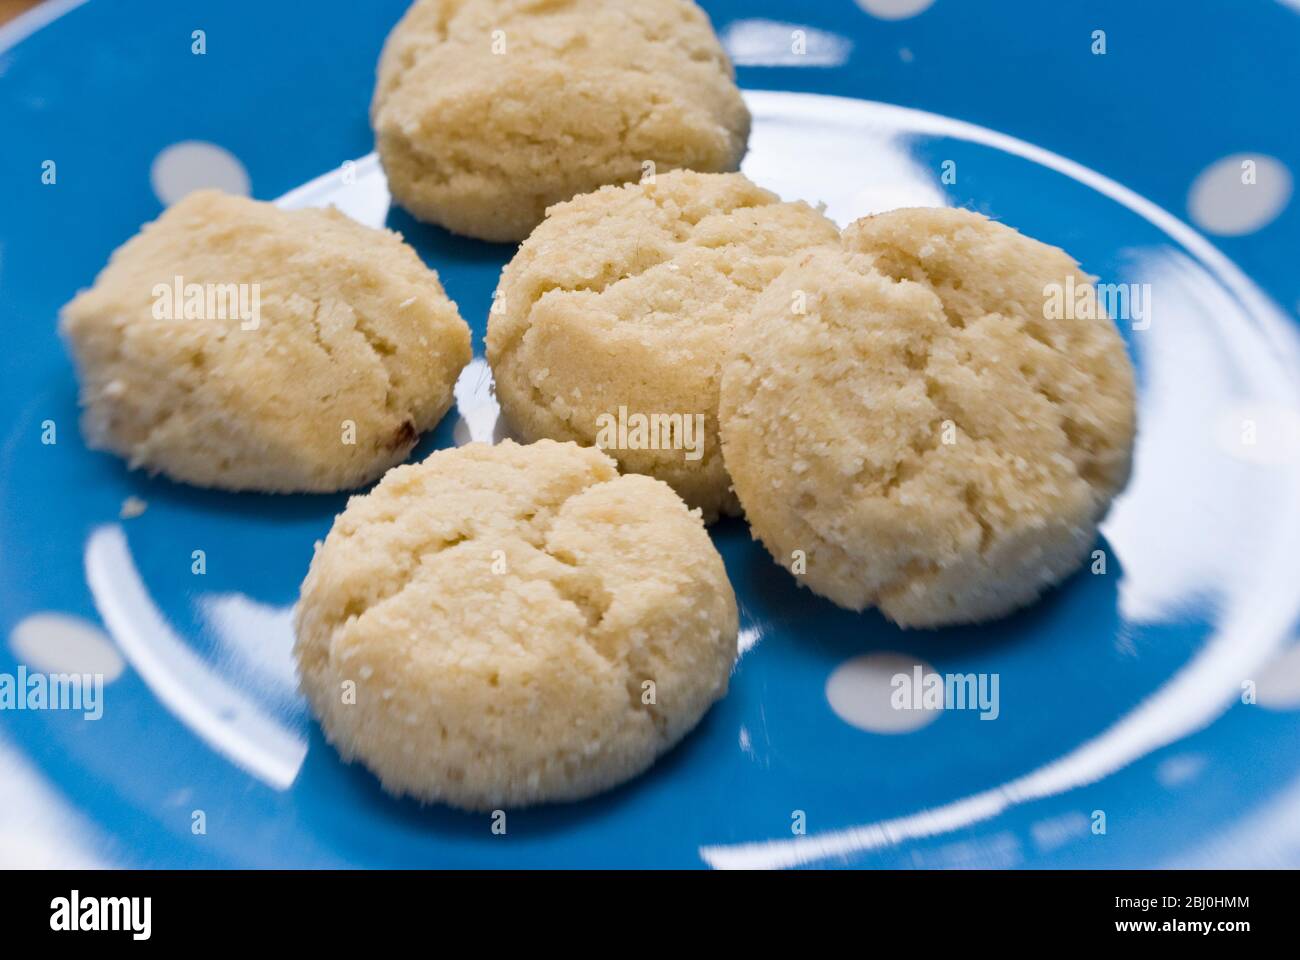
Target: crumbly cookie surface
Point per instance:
(920, 436)
(486, 112)
(350, 353)
(623, 304)
(505, 612)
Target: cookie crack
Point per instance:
(316, 335)
(974, 502)
(412, 559)
(585, 589)
(384, 351)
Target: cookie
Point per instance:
(505, 625)
(907, 430)
(486, 112)
(233, 344)
(611, 322)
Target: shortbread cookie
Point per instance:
(906, 429)
(505, 625)
(234, 344)
(486, 112)
(610, 324)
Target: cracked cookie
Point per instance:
(506, 625)
(233, 344)
(486, 112)
(621, 305)
(906, 430)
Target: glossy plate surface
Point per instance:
(1158, 698)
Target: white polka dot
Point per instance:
(861, 692)
(193, 165)
(1278, 686)
(1180, 769)
(894, 9)
(769, 43)
(1055, 832)
(59, 643)
(1239, 194)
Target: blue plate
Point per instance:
(1146, 711)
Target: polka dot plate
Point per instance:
(1146, 713)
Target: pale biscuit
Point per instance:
(622, 305)
(505, 625)
(486, 112)
(928, 327)
(346, 348)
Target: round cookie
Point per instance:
(928, 441)
(505, 613)
(233, 344)
(621, 305)
(486, 112)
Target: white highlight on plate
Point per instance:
(1260, 434)
(1229, 199)
(745, 743)
(746, 640)
(1256, 607)
(39, 828)
(1197, 369)
(860, 691)
(222, 716)
(193, 165)
(895, 9)
(1266, 838)
(61, 643)
(256, 645)
(1278, 686)
(357, 188)
(772, 43)
(783, 139)
(480, 415)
